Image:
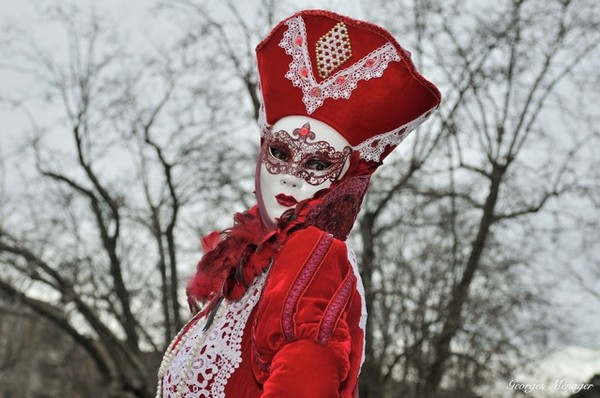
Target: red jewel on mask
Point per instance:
(369, 62)
(305, 130)
(299, 40)
(304, 72)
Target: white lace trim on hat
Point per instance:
(339, 85)
(373, 148)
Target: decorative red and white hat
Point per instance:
(349, 74)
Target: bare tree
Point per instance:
(492, 166)
(150, 152)
(126, 162)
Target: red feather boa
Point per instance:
(233, 258)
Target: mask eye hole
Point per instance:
(278, 153)
(318, 164)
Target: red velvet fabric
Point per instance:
(304, 369)
(309, 313)
(307, 364)
(305, 319)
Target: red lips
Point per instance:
(286, 200)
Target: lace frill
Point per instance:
(203, 361)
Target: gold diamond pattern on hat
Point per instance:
(333, 49)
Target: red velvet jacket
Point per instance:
(298, 331)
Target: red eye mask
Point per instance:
(292, 154)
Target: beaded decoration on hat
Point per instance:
(333, 49)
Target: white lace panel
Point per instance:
(340, 84)
(262, 116)
(362, 324)
(217, 352)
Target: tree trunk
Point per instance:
(371, 385)
(453, 315)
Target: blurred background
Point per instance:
(128, 130)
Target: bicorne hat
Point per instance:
(352, 75)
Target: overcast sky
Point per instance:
(134, 17)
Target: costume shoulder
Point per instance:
(305, 301)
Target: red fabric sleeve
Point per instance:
(301, 339)
(303, 369)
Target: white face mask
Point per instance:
(299, 157)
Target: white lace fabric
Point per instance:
(374, 147)
(217, 352)
(362, 324)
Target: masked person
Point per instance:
(284, 312)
